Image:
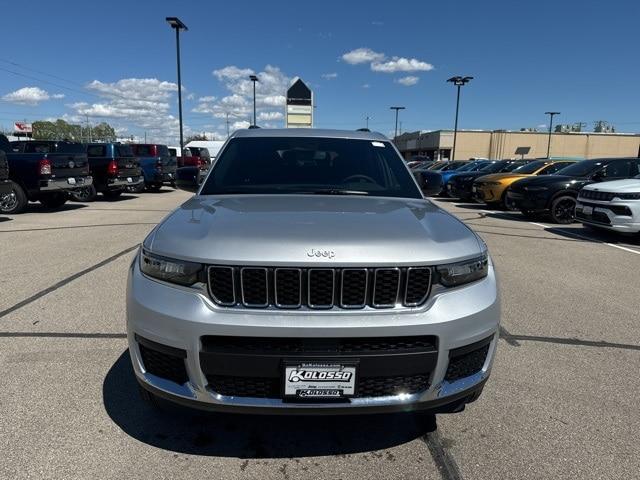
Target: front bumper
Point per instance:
(166, 178)
(178, 318)
(488, 194)
(602, 215)
(457, 191)
(65, 184)
(527, 201)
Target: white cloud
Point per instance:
(58, 96)
(401, 64)
(232, 73)
(191, 96)
(329, 76)
(408, 80)
(238, 103)
(362, 55)
(270, 116)
(366, 85)
(141, 102)
(27, 96)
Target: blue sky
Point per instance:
(117, 63)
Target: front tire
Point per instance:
(506, 203)
(14, 202)
(563, 209)
(84, 194)
(154, 187)
(53, 200)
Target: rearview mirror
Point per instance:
(430, 182)
(188, 179)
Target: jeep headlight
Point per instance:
(628, 196)
(168, 269)
(455, 274)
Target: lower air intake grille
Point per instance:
(163, 365)
(466, 364)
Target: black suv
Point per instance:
(556, 194)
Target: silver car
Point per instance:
(309, 274)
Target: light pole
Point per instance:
(396, 109)
(551, 115)
(458, 81)
(254, 79)
(367, 121)
(177, 25)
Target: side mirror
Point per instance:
(430, 183)
(598, 176)
(188, 179)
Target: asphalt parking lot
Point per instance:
(562, 401)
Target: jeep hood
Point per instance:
(289, 229)
(630, 185)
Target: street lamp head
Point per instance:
(397, 108)
(458, 80)
(253, 78)
(552, 113)
(176, 23)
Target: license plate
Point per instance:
(170, 175)
(449, 187)
(474, 189)
(129, 180)
(71, 181)
(319, 380)
(587, 210)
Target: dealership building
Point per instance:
(499, 144)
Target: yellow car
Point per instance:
(492, 189)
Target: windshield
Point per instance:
(581, 169)
(296, 165)
(530, 167)
(493, 167)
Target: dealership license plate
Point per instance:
(71, 181)
(319, 380)
(587, 210)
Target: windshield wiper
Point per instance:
(333, 191)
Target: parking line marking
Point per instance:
(445, 463)
(62, 335)
(63, 282)
(577, 235)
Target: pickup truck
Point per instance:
(158, 166)
(113, 167)
(44, 171)
(191, 157)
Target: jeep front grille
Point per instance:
(319, 288)
(597, 195)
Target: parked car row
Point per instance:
(52, 172)
(600, 193)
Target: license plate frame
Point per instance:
(323, 389)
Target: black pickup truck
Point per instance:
(44, 171)
(113, 168)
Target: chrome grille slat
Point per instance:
(348, 288)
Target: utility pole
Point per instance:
(458, 81)
(177, 25)
(367, 121)
(396, 109)
(254, 79)
(89, 128)
(551, 115)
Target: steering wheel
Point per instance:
(358, 176)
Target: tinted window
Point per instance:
(163, 151)
(144, 150)
(511, 166)
(37, 147)
(310, 165)
(173, 152)
(554, 167)
(618, 169)
(96, 150)
(124, 151)
(529, 167)
(493, 167)
(581, 169)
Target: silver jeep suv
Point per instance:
(309, 275)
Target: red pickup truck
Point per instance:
(192, 157)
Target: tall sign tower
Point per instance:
(299, 105)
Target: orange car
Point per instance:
(492, 189)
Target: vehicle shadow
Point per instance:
(183, 430)
(120, 198)
(5, 219)
(594, 235)
(39, 208)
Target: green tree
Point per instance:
(61, 130)
(196, 137)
